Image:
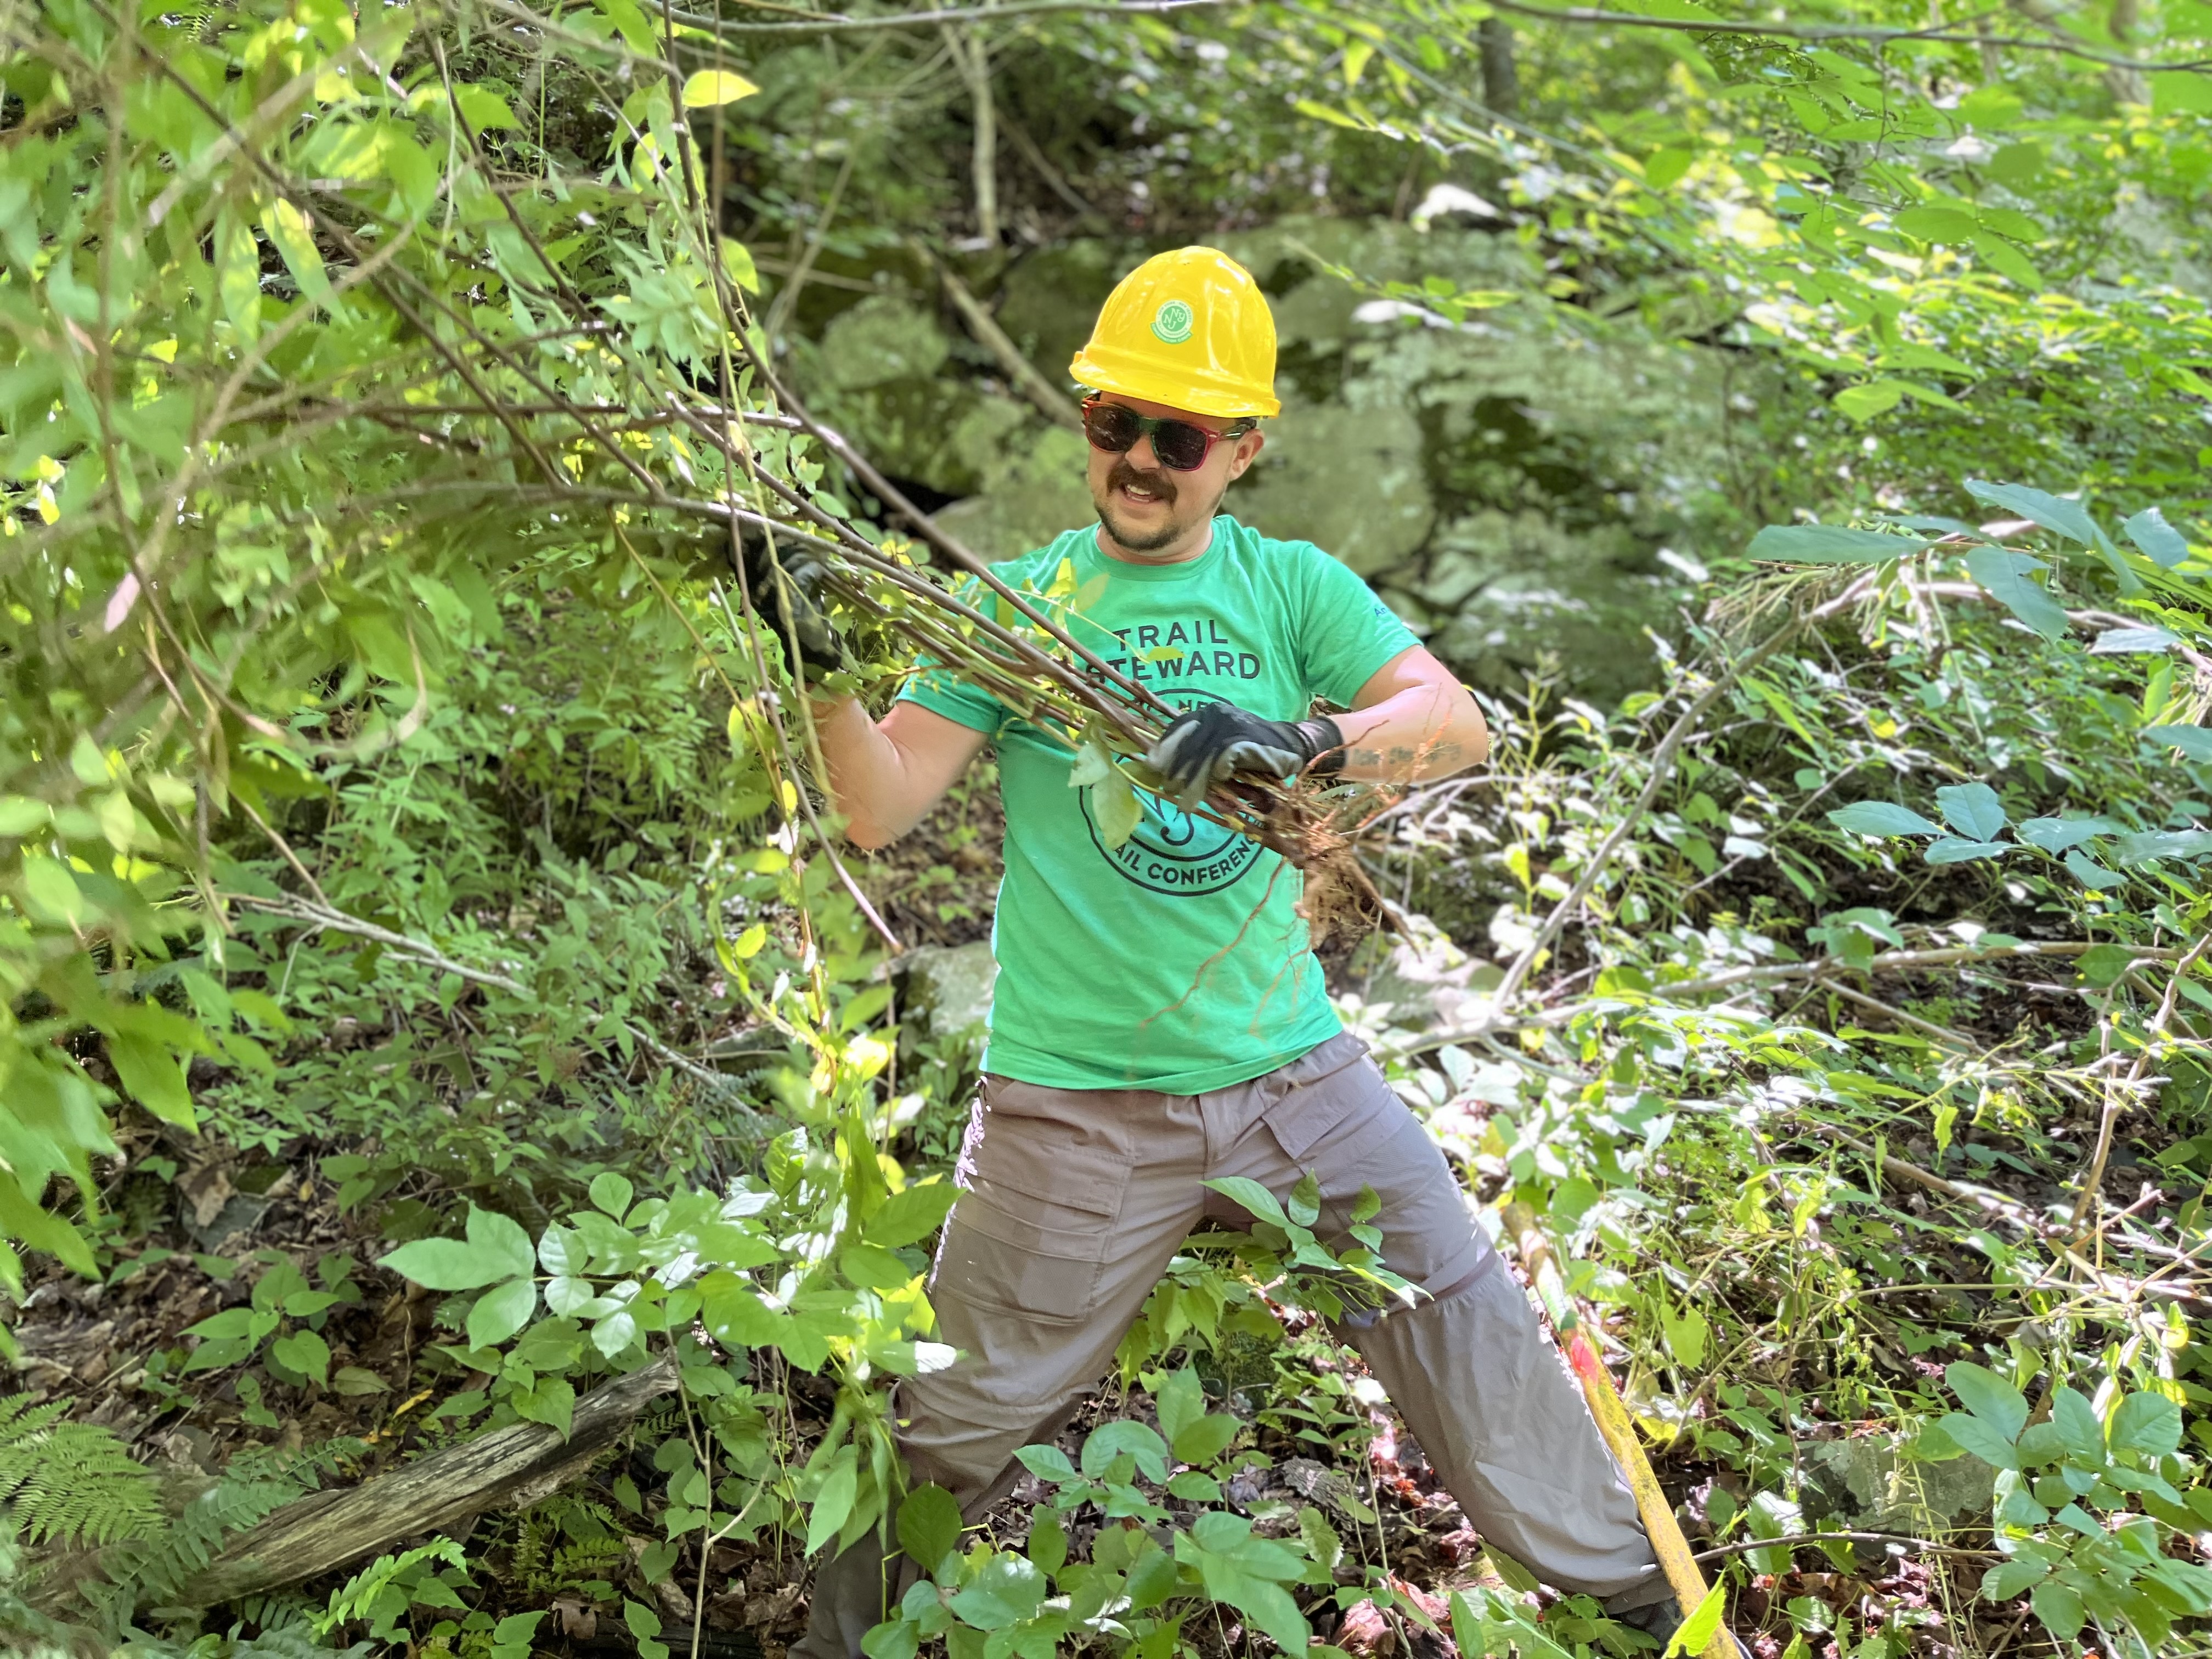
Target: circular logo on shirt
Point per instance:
(1172, 851)
(1174, 321)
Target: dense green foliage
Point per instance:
(406, 817)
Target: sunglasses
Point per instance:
(1180, 446)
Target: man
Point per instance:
(1160, 1020)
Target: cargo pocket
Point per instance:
(1322, 1093)
(1031, 1232)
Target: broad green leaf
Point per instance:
(1864, 402)
(2055, 835)
(1695, 1633)
(1179, 1402)
(872, 1267)
(929, 1526)
(305, 1352)
(612, 1193)
(1109, 1440)
(1989, 1396)
(501, 1312)
(910, 1216)
(451, 1264)
(735, 1314)
(1253, 1196)
(2010, 1577)
(1008, 1590)
(2160, 542)
(1207, 1439)
(2147, 1423)
(1973, 1435)
(154, 1077)
(2060, 1609)
(2069, 519)
(1937, 224)
(292, 235)
(1882, 818)
(1686, 1332)
(1831, 544)
(2193, 741)
(2077, 1421)
(2091, 874)
(1972, 809)
(710, 88)
(2004, 576)
(1114, 803)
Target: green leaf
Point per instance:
(834, 1500)
(1008, 1590)
(2147, 1423)
(2003, 574)
(2069, 519)
(1695, 1633)
(2159, 541)
(929, 1526)
(1207, 1439)
(1989, 1396)
(354, 1380)
(305, 1352)
(612, 1193)
(1180, 1401)
(2055, 835)
(154, 1077)
(2077, 1421)
(501, 1312)
(1933, 224)
(1952, 849)
(909, 1216)
(2060, 1609)
(1114, 803)
(872, 1267)
(1109, 1440)
(1831, 544)
(2007, 261)
(711, 88)
(1973, 1435)
(1882, 818)
(1864, 402)
(2092, 875)
(1972, 809)
(293, 237)
(1687, 1333)
(496, 1249)
(2193, 741)
(1255, 1198)
(2010, 1578)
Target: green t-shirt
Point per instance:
(1178, 961)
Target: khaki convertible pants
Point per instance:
(1074, 1202)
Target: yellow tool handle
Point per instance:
(1612, 1421)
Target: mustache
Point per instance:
(1160, 483)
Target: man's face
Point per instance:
(1147, 507)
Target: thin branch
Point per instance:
(1799, 1540)
(1587, 17)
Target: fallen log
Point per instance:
(326, 1530)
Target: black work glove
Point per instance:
(789, 598)
(1203, 746)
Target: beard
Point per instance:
(1163, 486)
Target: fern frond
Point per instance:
(71, 1482)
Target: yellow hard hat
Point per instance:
(1190, 329)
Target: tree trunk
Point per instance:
(329, 1529)
(1501, 81)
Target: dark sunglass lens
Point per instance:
(1180, 446)
(1111, 428)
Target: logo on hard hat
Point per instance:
(1173, 322)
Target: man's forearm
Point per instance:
(884, 774)
(1423, 732)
